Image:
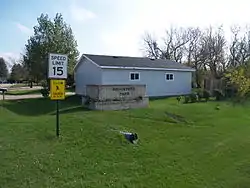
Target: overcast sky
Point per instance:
(114, 26)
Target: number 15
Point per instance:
(58, 71)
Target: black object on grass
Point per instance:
(131, 137)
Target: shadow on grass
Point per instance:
(42, 106)
(71, 110)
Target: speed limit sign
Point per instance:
(58, 64)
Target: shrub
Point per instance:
(44, 83)
(230, 92)
(206, 95)
(219, 95)
(44, 92)
(178, 98)
(198, 93)
(193, 97)
(186, 99)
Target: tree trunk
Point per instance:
(31, 84)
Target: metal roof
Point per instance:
(140, 62)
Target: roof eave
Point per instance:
(149, 68)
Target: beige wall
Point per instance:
(126, 92)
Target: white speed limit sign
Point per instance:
(58, 64)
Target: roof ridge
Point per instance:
(123, 56)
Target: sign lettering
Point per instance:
(58, 66)
(124, 91)
(57, 89)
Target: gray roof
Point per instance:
(141, 62)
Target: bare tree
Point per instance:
(193, 52)
(239, 47)
(173, 48)
(175, 41)
(151, 47)
(213, 44)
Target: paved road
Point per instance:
(5, 85)
(17, 97)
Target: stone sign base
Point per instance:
(119, 105)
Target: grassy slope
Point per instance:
(206, 148)
(30, 92)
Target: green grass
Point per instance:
(181, 145)
(30, 92)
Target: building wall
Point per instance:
(155, 81)
(87, 74)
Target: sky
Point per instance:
(114, 27)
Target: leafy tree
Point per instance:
(18, 73)
(50, 36)
(239, 79)
(3, 69)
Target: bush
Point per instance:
(186, 99)
(206, 95)
(193, 97)
(44, 92)
(230, 92)
(219, 95)
(178, 98)
(44, 84)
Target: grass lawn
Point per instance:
(30, 92)
(181, 145)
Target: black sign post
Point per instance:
(57, 118)
(57, 73)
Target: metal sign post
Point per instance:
(57, 73)
(3, 90)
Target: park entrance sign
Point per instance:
(58, 64)
(57, 73)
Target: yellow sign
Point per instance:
(57, 89)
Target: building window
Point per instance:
(134, 76)
(169, 77)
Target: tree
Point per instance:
(18, 73)
(3, 69)
(50, 36)
(193, 51)
(173, 48)
(239, 79)
(239, 47)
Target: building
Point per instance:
(161, 77)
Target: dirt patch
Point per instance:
(176, 117)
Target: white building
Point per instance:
(161, 77)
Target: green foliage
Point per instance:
(178, 98)
(206, 95)
(198, 94)
(18, 73)
(3, 69)
(50, 36)
(44, 92)
(44, 83)
(45, 89)
(193, 97)
(70, 80)
(238, 78)
(186, 99)
(219, 95)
